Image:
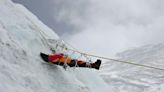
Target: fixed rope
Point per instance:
(116, 60)
(120, 61)
(111, 59)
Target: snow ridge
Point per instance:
(129, 78)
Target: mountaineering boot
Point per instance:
(44, 57)
(97, 64)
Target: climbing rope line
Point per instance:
(91, 55)
(116, 60)
(120, 61)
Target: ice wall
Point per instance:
(22, 70)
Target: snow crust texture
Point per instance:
(129, 78)
(22, 70)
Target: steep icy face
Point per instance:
(129, 78)
(22, 70)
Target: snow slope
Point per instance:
(22, 70)
(129, 78)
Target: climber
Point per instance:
(61, 59)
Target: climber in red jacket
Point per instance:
(61, 59)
